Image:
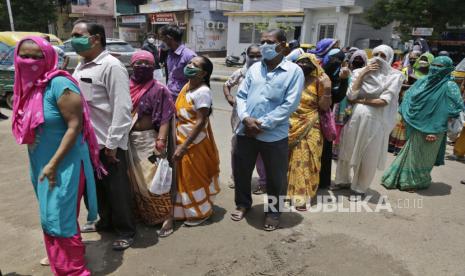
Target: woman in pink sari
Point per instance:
(51, 117)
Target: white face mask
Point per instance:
(423, 63)
(151, 40)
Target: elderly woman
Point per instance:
(374, 91)
(153, 110)
(52, 118)
(305, 137)
(426, 109)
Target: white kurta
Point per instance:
(366, 135)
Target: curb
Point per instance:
(219, 78)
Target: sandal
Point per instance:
(89, 227)
(195, 222)
(239, 214)
(301, 208)
(356, 196)
(259, 191)
(45, 262)
(166, 231)
(341, 186)
(122, 244)
(271, 223)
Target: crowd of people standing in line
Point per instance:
(92, 134)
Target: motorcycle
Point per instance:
(235, 60)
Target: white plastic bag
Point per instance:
(455, 126)
(161, 182)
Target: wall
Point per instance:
(202, 39)
(272, 5)
(361, 29)
(325, 16)
(317, 4)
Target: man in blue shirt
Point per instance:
(266, 98)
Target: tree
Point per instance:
(28, 15)
(435, 14)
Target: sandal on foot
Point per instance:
(238, 214)
(271, 223)
(122, 244)
(89, 227)
(356, 196)
(259, 191)
(337, 187)
(195, 222)
(45, 262)
(232, 186)
(301, 208)
(163, 233)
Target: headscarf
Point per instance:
(28, 110)
(318, 70)
(139, 89)
(429, 103)
(332, 68)
(430, 59)
(359, 53)
(385, 80)
(323, 46)
(160, 100)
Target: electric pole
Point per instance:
(12, 25)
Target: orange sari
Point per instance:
(198, 171)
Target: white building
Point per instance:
(305, 20)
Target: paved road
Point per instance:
(407, 241)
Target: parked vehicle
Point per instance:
(8, 41)
(235, 60)
(117, 48)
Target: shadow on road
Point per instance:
(436, 189)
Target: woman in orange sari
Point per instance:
(196, 154)
(305, 137)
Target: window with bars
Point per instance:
(326, 31)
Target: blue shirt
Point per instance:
(270, 97)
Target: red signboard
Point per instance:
(163, 18)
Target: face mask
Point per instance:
(151, 40)
(81, 44)
(142, 74)
(191, 72)
(423, 63)
(251, 61)
(268, 51)
(32, 68)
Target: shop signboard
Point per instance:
(163, 18)
(133, 19)
(93, 7)
(154, 6)
(422, 31)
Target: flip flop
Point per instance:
(122, 244)
(89, 227)
(337, 187)
(45, 262)
(271, 223)
(163, 233)
(238, 214)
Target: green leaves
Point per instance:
(409, 14)
(28, 15)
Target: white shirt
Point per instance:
(104, 84)
(201, 97)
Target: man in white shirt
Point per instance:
(104, 84)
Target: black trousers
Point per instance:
(114, 195)
(275, 157)
(326, 164)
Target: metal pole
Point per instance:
(12, 25)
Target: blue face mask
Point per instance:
(268, 51)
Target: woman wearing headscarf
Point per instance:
(342, 110)
(305, 137)
(426, 109)
(323, 47)
(196, 155)
(153, 110)
(52, 118)
(339, 77)
(419, 70)
(374, 91)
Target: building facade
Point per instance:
(306, 21)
